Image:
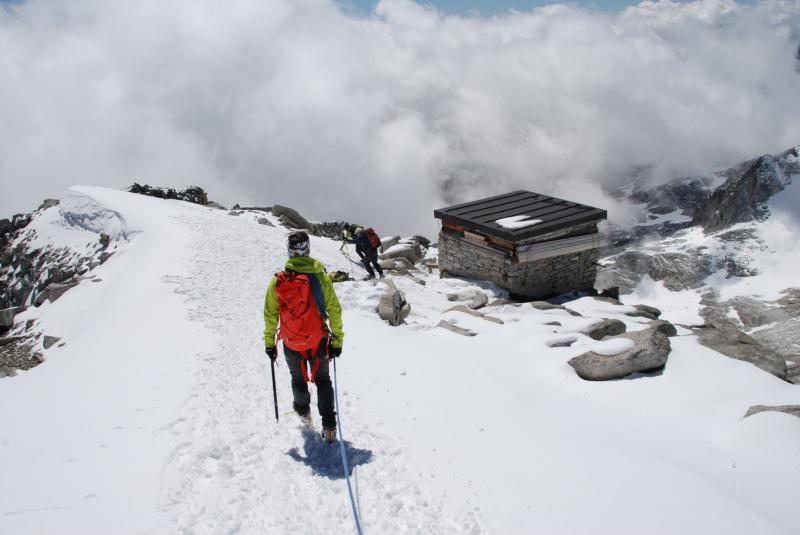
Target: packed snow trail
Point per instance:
(238, 471)
(157, 416)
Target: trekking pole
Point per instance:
(274, 389)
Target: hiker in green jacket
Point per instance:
(302, 307)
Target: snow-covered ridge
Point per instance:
(156, 416)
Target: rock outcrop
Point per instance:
(794, 410)
(744, 195)
(193, 194)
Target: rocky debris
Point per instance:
(329, 229)
(53, 292)
(794, 410)
(466, 310)
(732, 342)
(544, 305)
(649, 353)
(392, 306)
(193, 194)
(7, 316)
(50, 341)
(410, 251)
(606, 327)
(665, 327)
(19, 354)
(743, 196)
(444, 324)
(644, 311)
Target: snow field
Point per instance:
(157, 417)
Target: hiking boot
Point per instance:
(306, 420)
(329, 434)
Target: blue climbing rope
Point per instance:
(356, 514)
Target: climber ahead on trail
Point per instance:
(301, 308)
(367, 245)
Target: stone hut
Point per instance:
(533, 245)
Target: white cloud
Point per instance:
(381, 119)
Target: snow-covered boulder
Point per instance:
(410, 251)
(650, 350)
(606, 327)
(389, 241)
(733, 343)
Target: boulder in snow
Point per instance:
(410, 251)
(644, 311)
(649, 353)
(606, 327)
(49, 341)
(292, 218)
(389, 241)
(392, 306)
(665, 327)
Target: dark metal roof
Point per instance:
(555, 214)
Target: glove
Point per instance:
(335, 352)
(272, 353)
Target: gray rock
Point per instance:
(7, 315)
(554, 323)
(392, 306)
(649, 353)
(264, 221)
(652, 311)
(544, 305)
(56, 290)
(389, 241)
(292, 218)
(794, 410)
(665, 327)
(410, 251)
(397, 264)
(606, 299)
(49, 341)
(455, 328)
(466, 310)
(606, 327)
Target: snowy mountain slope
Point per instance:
(734, 267)
(156, 416)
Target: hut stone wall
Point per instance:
(539, 278)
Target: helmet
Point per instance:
(297, 244)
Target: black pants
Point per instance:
(367, 260)
(302, 397)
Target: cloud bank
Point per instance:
(381, 119)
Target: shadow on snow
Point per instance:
(326, 459)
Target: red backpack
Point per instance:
(301, 328)
(373, 238)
